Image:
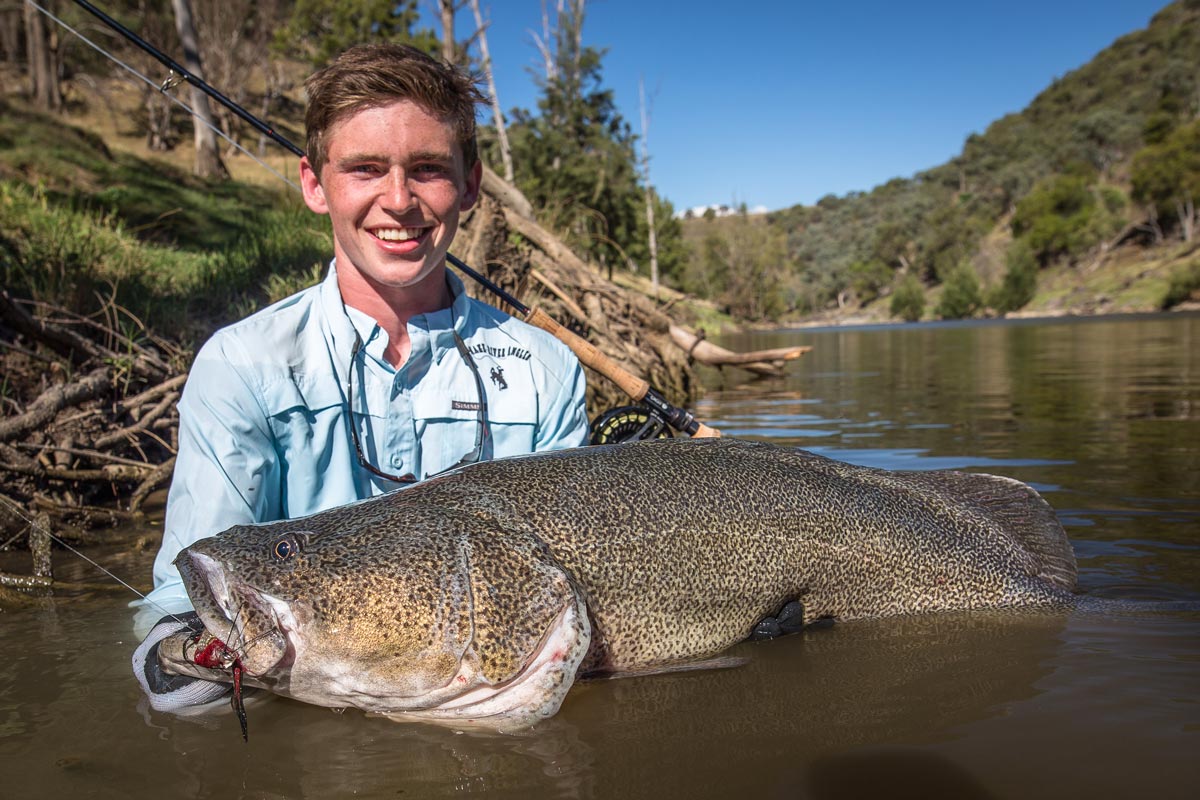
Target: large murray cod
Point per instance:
(477, 598)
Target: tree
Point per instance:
(651, 233)
(1020, 279)
(908, 301)
(741, 263)
(208, 157)
(960, 294)
(320, 29)
(41, 43)
(493, 95)
(1063, 216)
(1166, 177)
(575, 160)
(235, 47)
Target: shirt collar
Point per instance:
(437, 327)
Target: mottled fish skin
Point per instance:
(624, 558)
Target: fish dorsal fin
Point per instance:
(1020, 510)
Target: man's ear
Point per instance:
(310, 184)
(471, 193)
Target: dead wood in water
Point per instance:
(87, 428)
(760, 362)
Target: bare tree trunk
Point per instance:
(449, 52)
(44, 86)
(549, 34)
(1186, 209)
(497, 114)
(208, 156)
(578, 7)
(10, 34)
(652, 238)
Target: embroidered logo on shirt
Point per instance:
(463, 405)
(498, 377)
(500, 352)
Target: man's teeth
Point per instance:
(397, 234)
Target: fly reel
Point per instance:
(628, 424)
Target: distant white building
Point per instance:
(718, 209)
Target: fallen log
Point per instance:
(762, 362)
(142, 424)
(71, 345)
(54, 400)
(508, 195)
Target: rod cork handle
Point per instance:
(589, 355)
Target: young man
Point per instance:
(385, 373)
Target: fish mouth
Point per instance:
(252, 625)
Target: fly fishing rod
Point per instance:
(587, 353)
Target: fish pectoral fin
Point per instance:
(717, 662)
(788, 620)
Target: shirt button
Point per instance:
(397, 461)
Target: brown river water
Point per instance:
(1102, 416)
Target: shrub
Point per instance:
(960, 295)
(1020, 280)
(908, 301)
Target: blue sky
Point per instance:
(775, 103)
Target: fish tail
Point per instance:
(1020, 510)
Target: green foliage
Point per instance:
(740, 263)
(1020, 280)
(1166, 176)
(1065, 216)
(73, 255)
(320, 29)
(867, 278)
(1184, 286)
(908, 301)
(949, 236)
(960, 294)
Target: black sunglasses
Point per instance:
(481, 427)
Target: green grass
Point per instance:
(1184, 284)
(79, 223)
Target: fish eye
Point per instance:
(285, 547)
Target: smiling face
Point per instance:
(393, 184)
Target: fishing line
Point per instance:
(172, 81)
(20, 512)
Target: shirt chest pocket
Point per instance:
(302, 410)
(448, 423)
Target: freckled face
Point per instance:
(393, 185)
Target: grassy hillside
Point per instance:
(1063, 206)
(79, 222)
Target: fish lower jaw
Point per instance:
(532, 696)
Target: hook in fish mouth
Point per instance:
(250, 625)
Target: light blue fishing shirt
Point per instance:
(263, 419)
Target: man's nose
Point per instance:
(396, 192)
